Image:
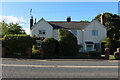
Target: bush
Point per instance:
(116, 55)
(112, 44)
(17, 43)
(49, 47)
(82, 54)
(68, 43)
(94, 53)
(35, 52)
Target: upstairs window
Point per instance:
(94, 32)
(42, 32)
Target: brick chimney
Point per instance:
(31, 22)
(69, 19)
(102, 18)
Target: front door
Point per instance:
(89, 48)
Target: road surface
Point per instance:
(28, 68)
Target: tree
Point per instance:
(11, 28)
(112, 23)
(68, 43)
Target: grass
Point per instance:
(111, 57)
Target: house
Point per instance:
(89, 34)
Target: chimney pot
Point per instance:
(69, 19)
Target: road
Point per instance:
(28, 68)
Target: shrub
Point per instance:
(82, 54)
(68, 43)
(116, 55)
(112, 44)
(49, 47)
(94, 53)
(17, 43)
(35, 52)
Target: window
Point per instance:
(97, 46)
(95, 32)
(41, 31)
(74, 32)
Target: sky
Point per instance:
(19, 12)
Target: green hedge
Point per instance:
(17, 43)
(112, 44)
(94, 53)
(68, 43)
(49, 46)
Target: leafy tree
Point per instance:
(112, 22)
(11, 28)
(68, 43)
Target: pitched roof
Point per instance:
(68, 25)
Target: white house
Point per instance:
(89, 34)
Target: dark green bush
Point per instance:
(17, 43)
(116, 55)
(112, 44)
(94, 53)
(68, 43)
(49, 47)
(82, 54)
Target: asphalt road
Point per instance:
(22, 68)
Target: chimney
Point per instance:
(35, 21)
(102, 18)
(31, 22)
(68, 19)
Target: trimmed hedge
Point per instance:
(68, 43)
(94, 53)
(49, 46)
(17, 43)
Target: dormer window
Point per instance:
(42, 32)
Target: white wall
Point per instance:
(42, 25)
(55, 34)
(95, 25)
(79, 37)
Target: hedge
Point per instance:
(112, 44)
(68, 43)
(50, 46)
(17, 43)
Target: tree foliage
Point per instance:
(11, 28)
(67, 43)
(112, 23)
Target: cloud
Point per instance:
(27, 30)
(9, 19)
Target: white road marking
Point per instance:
(58, 66)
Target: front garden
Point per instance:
(24, 46)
